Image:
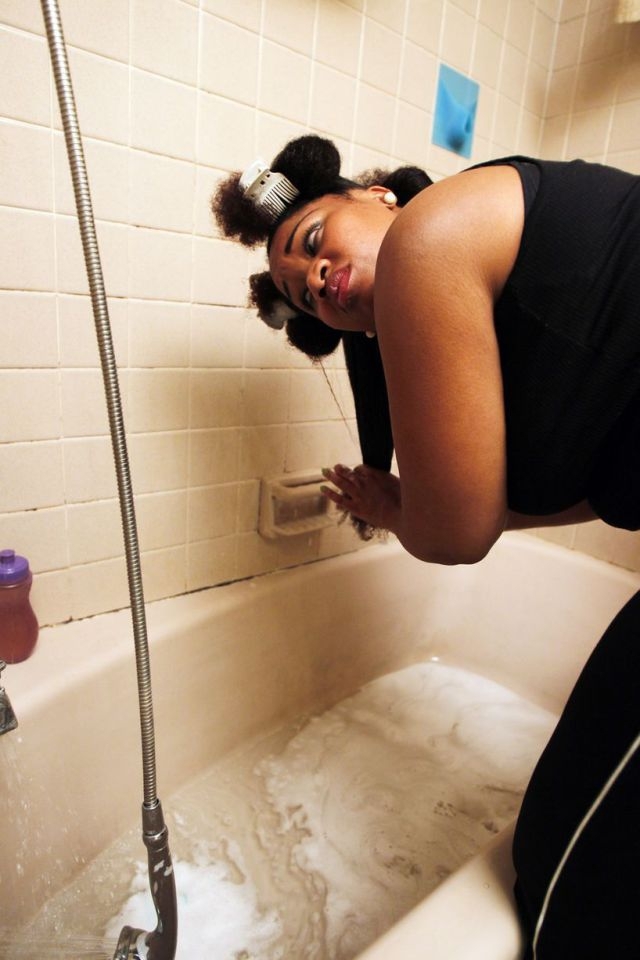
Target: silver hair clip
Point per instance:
(268, 191)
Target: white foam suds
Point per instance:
(310, 842)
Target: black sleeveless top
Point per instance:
(568, 330)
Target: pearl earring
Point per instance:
(390, 197)
(370, 334)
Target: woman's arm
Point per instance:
(441, 267)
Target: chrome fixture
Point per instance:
(8, 719)
(161, 944)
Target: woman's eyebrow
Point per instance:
(289, 243)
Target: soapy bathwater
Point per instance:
(308, 843)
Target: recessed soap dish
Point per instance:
(292, 504)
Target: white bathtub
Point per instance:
(234, 660)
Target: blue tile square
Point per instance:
(455, 113)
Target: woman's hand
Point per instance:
(369, 494)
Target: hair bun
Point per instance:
(312, 164)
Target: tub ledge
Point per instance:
(470, 916)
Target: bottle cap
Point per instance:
(13, 568)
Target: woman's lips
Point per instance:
(338, 285)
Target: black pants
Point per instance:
(594, 911)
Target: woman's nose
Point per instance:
(316, 277)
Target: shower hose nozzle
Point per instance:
(135, 944)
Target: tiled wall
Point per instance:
(171, 94)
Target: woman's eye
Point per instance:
(311, 239)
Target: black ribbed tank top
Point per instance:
(568, 329)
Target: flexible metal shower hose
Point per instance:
(84, 209)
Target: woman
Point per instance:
(504, 303)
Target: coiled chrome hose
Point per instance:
(161, 944)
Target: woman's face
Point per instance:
(323, 257)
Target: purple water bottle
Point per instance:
(18, 624)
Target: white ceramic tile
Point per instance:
(101, 93)
(229, 62)
(312, 445)
(419, 76)
(506, 122)
(375, 119)
(217, 336)
(213, 456)
(597, 83)
(313, 398)
(561, 92)
(78, 339)
(290, 22)
(390, 14)
(100, 27)
(219, 272)
(161, 519)
(413, 132)
(629, 79)
(39, 535)
(552, 142)
(94, 531)
(248, 506)
(519, 26)
(36, 475)
(457, 38)
(164, 572)
(26, 14)
(159, 334)
(273, 132)
(108, 173)
(164, 38)
(568, 44)
(28, 330)
(158, 400)
(212, 512)
(485, 67)
(98, 587)
(603, 37)
(29, 236)
(284, 82)
(160, 265)
(28, 58)
(338, 37)
(158, 461)
(513, 74)
(262, 452)
(529, 134)
(381, 55)
(216, 398)
(163, 115)
(246, 13)
(84, 410)
(333, 101)
(625, 129)
(494, 14)
(424, 23)
(267, 348)
(258, 555)
(225, 133)
(88, 469)
(162, 192)
(207, 181)
(543, 41)
(536, 89)
(50, 597)
(211, 561)
(588, 133)
(265, 397)
(26, 161)
(29, 401)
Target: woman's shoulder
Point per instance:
(472, 221)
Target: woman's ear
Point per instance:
(383, 194)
